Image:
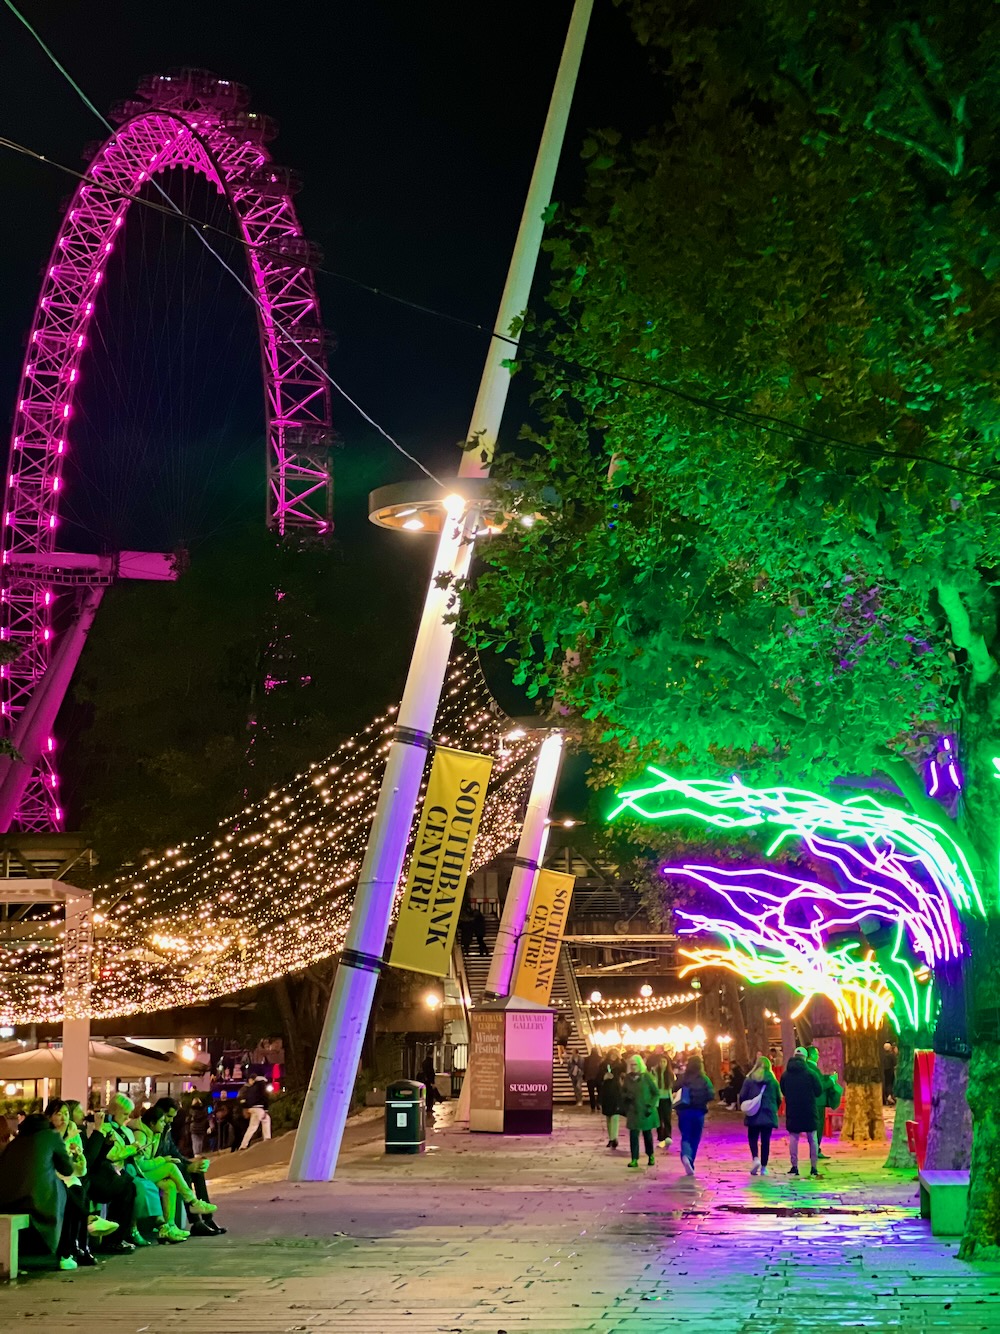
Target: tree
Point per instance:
(766, 472)
(201, 694)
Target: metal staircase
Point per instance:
(565, 998)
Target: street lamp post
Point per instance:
(328, 1099)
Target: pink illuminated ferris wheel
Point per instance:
(188, 119)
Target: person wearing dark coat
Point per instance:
(830, 1096)
(802, 1088)
(611, 1098)
(659, 1068)
(479, 931)
(107, 1185)
(694, 1091)
(730, 1091)
(593, 1064)
(192, 1170)
(29, 1181)
(764, 1120)
(428, 1077)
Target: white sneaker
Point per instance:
(756, 1167)
(687, 1164)
(666, 1143)
(101, 1227)
(67, 1262)
(764, 1172)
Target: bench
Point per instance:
(944, 1197)
(10, 1226)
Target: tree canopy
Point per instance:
(768, 395)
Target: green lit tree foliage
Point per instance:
(768, 463)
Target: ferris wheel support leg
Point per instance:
(35, 724)
(328, 1099)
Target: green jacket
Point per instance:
(641, 1101)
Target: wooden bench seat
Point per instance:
(944, 1197)
(10, 1227)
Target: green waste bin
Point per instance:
(405, 1117)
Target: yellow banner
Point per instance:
(539, 953)
(435, 886)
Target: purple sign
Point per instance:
(528, 1072)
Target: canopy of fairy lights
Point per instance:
(269, 891)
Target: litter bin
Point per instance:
(405, 1117)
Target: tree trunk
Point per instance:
(738, 1029)
(754, 1000)
(711, 982)
(900, 1158)
(862, 1105)
(296, 1075)
(949, 1139)
(787, 1025)
(982, 1221)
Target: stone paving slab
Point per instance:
(490, 1234)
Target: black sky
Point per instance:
(415, 127)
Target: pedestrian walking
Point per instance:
(575, 1071)
(758, 1100)
(198, 1126)
(802, 1089)
(428, 1077)
(465, 928)
(888, 1073)
(829, 1096)
(692, 1094)
(611, 1098)
(659, 1068)
(593, 1063)
(479, 931)
(561, 1031)
(641, 1105)
(256, 1102)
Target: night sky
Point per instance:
(415, 128)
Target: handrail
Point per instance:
(581, 1014)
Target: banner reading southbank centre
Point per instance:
(435, 886)
(539, 955)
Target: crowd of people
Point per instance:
(121, 1177)
(622, 1084)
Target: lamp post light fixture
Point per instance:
(456, 513)
(645, 991)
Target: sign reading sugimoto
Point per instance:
(539, 953)
(453, 806)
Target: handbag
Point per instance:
(751, 1106)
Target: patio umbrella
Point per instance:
(106, 1062)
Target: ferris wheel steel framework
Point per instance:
(188, 119)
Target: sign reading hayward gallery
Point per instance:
(435, 886)
(528, 1072)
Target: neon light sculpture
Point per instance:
(188, 119)
(905, 865)
(783, 936)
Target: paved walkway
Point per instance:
(505, 1235)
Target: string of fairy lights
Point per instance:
(627, 1007)
(270, 891)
